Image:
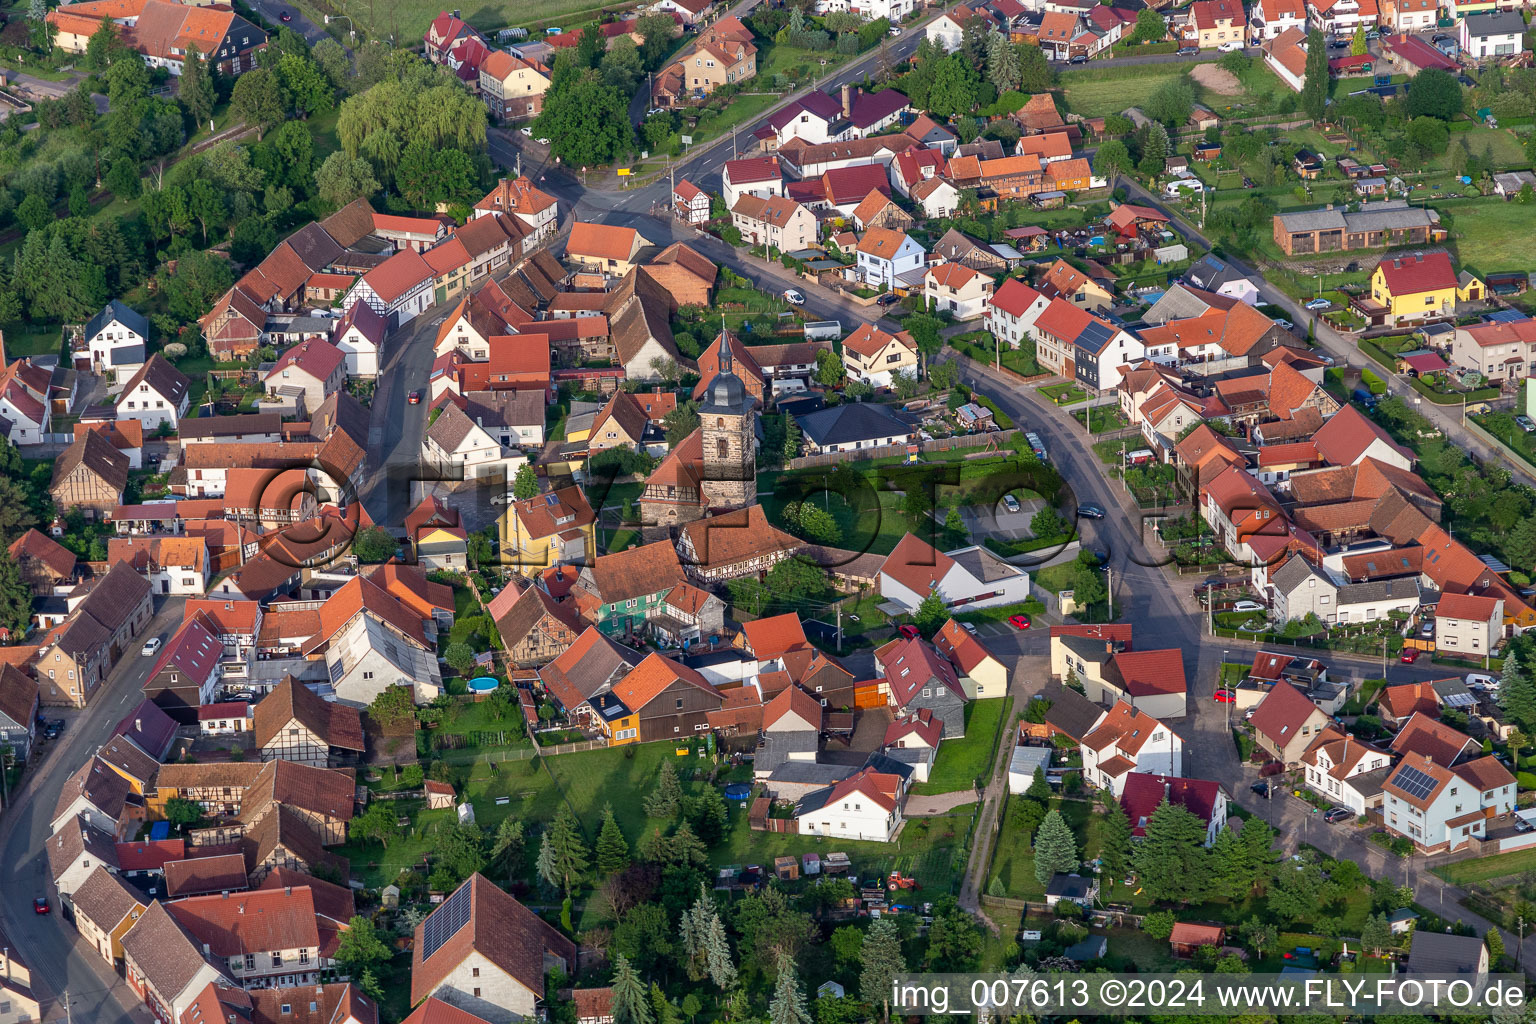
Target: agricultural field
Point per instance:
(407, 20)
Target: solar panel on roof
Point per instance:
(1459, 700)
(1413, 782)
(444, 922)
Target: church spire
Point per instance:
(725, 347)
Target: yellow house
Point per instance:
(105, 908)
(1415, 288)
(617, 721)
(872, 356)
(549, 529)
(1216, 21)
(982, 674)
(619, 424)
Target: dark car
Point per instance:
(1090, 511)
(53, 727)
(1262, 788)
(887, 300)
(40, 905)
(1189, 51)
(1081, 58)
(1338, 814)
(285, 16)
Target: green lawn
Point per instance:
(1491, 235)
(1064, 394)
(961, 762)
(1095, 97)
(1503, 146)
(39, 341)
(1480, 869)
(407, 20)
(1013, 862)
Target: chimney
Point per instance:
(206, 950)
(138, 725)
(456, 13)
(1167, 789)
(848, 99)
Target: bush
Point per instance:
(175, 350)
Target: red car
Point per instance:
(1225, 697)
(1410, 656)
(908, 631)
(414, 398)
(40, 905)
(1019, 621)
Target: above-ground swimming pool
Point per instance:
(738, 791)
(483, 684)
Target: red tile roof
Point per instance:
(1425, 736)
(1282, 712)
(1144, 792)
(768, 638)
(1410, 275)
(1149, 673)
(1466, 606)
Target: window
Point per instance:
(250, 965)
(679, 703)
(287, 1009)
(277, 959)
(474, 972)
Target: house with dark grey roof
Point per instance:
(1373, 226)
(1494, 34)
(857, 425)
(1071, 714)
(115, 343)
(158, 394)
(1212, 274)
(1432, 952)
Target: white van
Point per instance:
(1480, 681)
(1175, 189)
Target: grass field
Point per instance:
(1092, 97)
(1491, 235)
(1013, 863)
(408, 19)
(1503, 146)
(961, 762)
(1480, 869)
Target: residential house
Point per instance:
(915, 677)
(852, 427)
(1286, 55)
(889, 259)
(293, 723)
(76, 657)
(878, 209)
(163, 33)
(872, 356)
(1217, 276)
(1144, 792)
(1269, 18)
(75, 850)
(723, 54)
(609, 248)
(534, 627)
(970, 576)
(1444, 809)
(116, 344)
(622, 423)
(690, 204)
(1215, 22)
(359, 337)
(1346, 770)
(730, 545)
(314, 368)
(513, 88)
(585, 670)
(864, 806)
(1432, 952)
(1412, 288)
(399, 289)
(18, 712)
(458, 444)
(1498, 349)
(775, 221)
(1125, 741)
(187, 673)
(26, 400)
(16, 988)
(982, 674)
(483, 951)
(164, 965)
(1468, 624)
(1427, 736)
(556, 528)
(105, 908)
(42, 562)
(958, 290)
(758, 176)
(619, 591)
(437, 539)
(536, 208)
(1064, 281)
(157, 395)
(1492, 34)
(1286, 723)
(1012, 311)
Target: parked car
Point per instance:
(794, 297)
(887, 300)
(1224, 697)
(1427, 630)
(1320, 303)
(969, 627)
(1482, 681)
(1090, 511)
(40, 905)
(1247, 606)
(1410, 656)
(1338, 814)
(285, 16)
(527, 130)
(1283, 322)
(1522, 825)
(1019, 621)
(1525, 423)
(909, 631)
(1231, 46)
(414, 398)
(1081, 58)
(1189, 51)
(52, 727)
(1010, 503)
(150, 646)
(1262, 788)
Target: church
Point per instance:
(714, 469)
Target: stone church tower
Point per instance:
(728, 425)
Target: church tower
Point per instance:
(728, 428)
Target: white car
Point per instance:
(1010, 503)
(1232, 46)
(794, 297)
(542, 142)
(1479, 681)
(1247, 606)
(150, 646)
(527, 130)
(501, 499)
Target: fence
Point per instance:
(999, 438)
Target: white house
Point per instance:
(456, 443)
(25, 413)
(891, 10)
(158, 395)
(889, 258)
(117, 340)
(1440, 808)
(1144, 793)
(1494, 34)
(1335, 764)
(936, 196)
(1012, 311)
(758, 176)
(947, 30)
(360, 337)
(1467, 624)
(1125, 741)
(864, 806)
(1211, 274)
(958, 290)
(1268, 18)
(972, 577)
(399, 289)
(815, 118)
(76, 850)
(873, 356)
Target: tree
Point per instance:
(182, 812)
(1039, 789)
(379, 823)
(954, 938)
(904, 384)
(1035, 73)
(788, 1005)
(305, 85)
(585, 120)
(374, 544)
(1048, 523)
(200, 277)
(1435, 93)
(680, 422)
(1150, 27)
(665, 800)
(258, 100)
(1087, 585)
(612, 848)
(333, 61)
(341, 179)
(882, 960)
(1171, 861)
(104, 46)
(360, 947)
(1517, 694)
(525, 484)
(931, 614)
(568, 850)
(1055, 848)
(194, 88)
(394, 704)
(33, 212)
(1495, 943)
(621, 65)
(1115, 840)
(1376, 933)
(1314, 89)
(1428, 134)
(460, 656)
(15, 596)
(1158, 924)
(1357, 45)
(1297, 892)
(630, 1005)
(1258, 934)
(1172, 102)
(1002, 63)
(954, 90)
(770, 929)
(1112, 157)
(510, 841)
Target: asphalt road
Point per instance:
(60, 959)
(273, 11)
